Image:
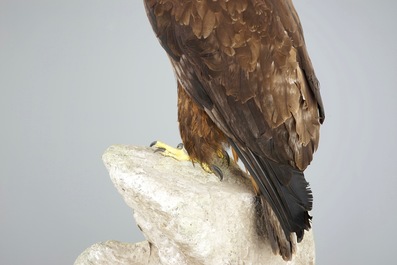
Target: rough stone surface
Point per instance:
(188, 215)
(114, 252)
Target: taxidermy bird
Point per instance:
(245, 82)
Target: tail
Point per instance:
(282, 203)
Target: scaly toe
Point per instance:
(166, 150)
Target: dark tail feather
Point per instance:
(268, 226)
(286, 196)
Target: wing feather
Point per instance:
(245, 62)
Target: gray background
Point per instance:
(78, 76)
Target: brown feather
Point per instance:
(245, 78)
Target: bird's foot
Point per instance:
(180, 154)
(177, 153)
(213, 169)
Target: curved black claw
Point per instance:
(158, 149)
(179, 146)
(217, 171)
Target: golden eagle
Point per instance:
(245, 81)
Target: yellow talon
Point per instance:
(206, 167)
(181, 155)
(166, 150)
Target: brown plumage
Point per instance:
(245, 80)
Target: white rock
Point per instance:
(114, 252)
(188, 215)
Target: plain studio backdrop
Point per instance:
(78, 76)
